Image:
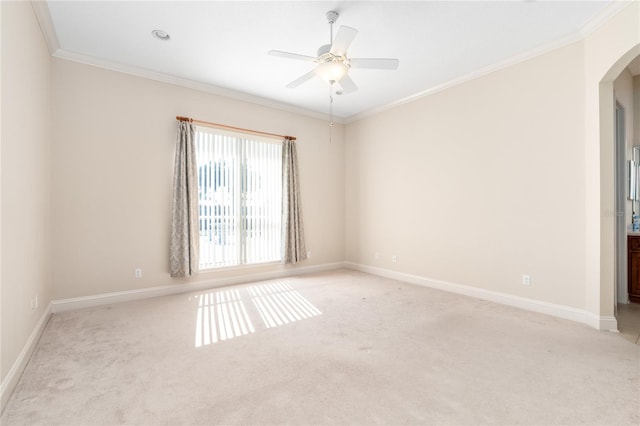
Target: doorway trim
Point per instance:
(621, 185)
(607, 278)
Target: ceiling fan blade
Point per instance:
(308, 76)
(375, 63)
(290, 55)
(347, 84)
(342, 41)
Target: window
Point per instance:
(240, 198)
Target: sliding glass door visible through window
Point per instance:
(240, 198)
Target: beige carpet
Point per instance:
(332, 348)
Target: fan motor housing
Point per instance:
(323, 50)
(325, 55)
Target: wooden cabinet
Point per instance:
(633, 266)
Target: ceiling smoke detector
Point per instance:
(160, 35)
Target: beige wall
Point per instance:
(113, 166)
(505, 175)
(478, 184)
(25, 177)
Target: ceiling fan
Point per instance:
(332, 63)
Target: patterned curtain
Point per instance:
(293, 246)
(184, 248)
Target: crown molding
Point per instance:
(513, 60)
(48, 31)
(46, 25)
(612, 9)
(608, 12)
(189, 84)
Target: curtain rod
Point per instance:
(240, 129)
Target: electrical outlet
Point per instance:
(37, 303)
(526, 280)
(138, 273)
(377, 255)
(394, 258)
(309, 254)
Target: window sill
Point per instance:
(240, 267)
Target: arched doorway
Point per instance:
(608, 230)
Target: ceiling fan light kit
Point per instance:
(332, 71)
(332, 63)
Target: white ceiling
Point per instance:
(222, 46)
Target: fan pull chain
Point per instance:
(331, 112)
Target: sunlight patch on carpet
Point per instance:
(222, 315)
(279, 304)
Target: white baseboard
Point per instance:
(560, 311)
(566, 312)
(145, 293)
(604, 323)
(11, 380)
